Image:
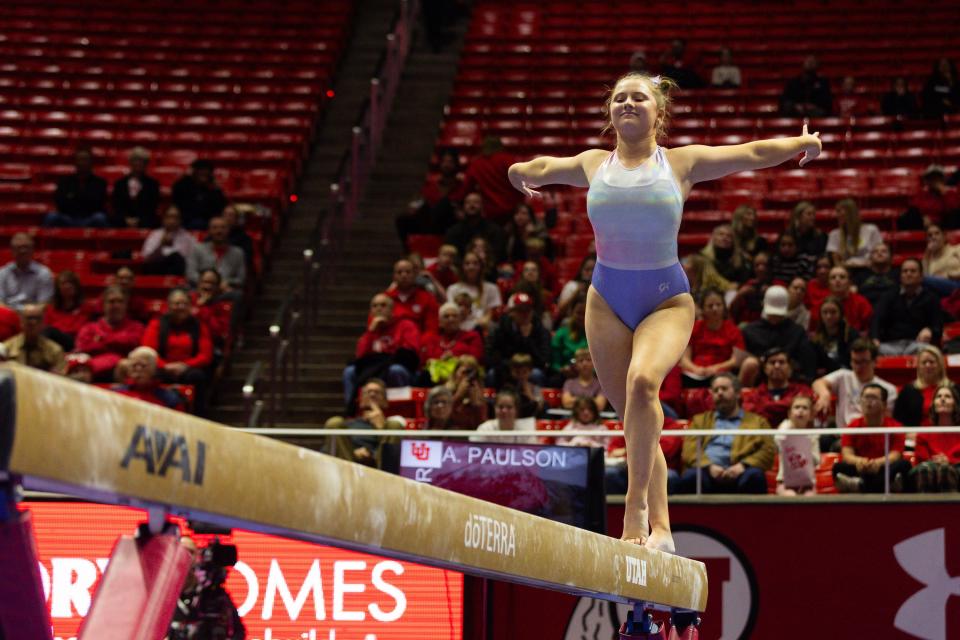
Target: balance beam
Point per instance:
(63, 436)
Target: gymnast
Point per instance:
(639, 309)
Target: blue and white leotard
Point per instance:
(635, 215)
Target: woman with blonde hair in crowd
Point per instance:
(799, 453)
(639, 309)
(702, 276)
(851, 242)
(912, 407)
(746, 238)
(727, 258)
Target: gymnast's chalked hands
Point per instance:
(811, 146)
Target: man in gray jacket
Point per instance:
(217, 253)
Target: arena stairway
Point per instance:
(365, 263)
(372, 21)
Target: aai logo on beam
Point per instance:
(161, 452)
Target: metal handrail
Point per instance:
(252, 402)
(608, 433)
(367, 133)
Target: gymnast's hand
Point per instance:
(518, 182)
(811, 146)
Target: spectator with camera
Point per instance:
(371, 414)
(469, 403)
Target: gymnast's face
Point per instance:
(633, 108)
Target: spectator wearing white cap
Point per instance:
(774, 329)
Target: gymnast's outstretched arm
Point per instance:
(699, 163)
(573, 171)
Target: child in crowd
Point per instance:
(584, 385)
(444, 269)
(799, 454)
(585, 417)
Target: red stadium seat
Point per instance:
(794, 185)
(844, 183)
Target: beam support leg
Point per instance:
(139, 591)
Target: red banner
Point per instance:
(284, 589)
(787, 570)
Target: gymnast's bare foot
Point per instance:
(636, 526)
(661, 540)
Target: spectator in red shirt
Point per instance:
(935, 204)
(487, 173)
(857, 310)
(445, 269)
(713, 344)
(109, 339)
(861, 466)
(436, 209)
(389, 346)
(440, 350)
(411, 301)
(68, 312)
(938, 454)
(772, 397)
(212, 308)
(142, 382)
(184, 347)
(9, 322)
(137, 306)
(818, 288)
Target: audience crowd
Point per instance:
(789, 332)
(163, 351)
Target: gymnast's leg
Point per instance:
(631, 367)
